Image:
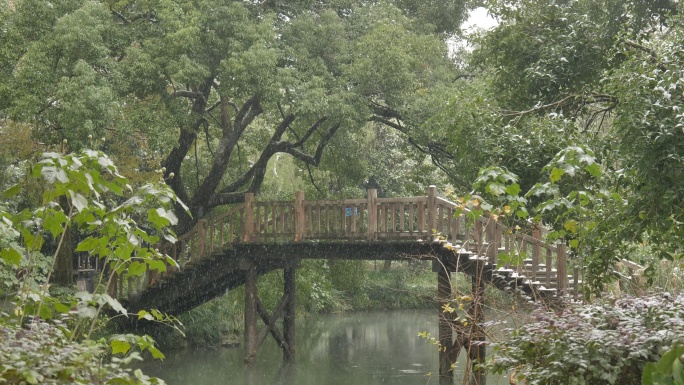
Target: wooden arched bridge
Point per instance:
(232, 249)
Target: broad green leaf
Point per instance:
(157, 314)
(496, 188)
(556, 174)
(156, 353)
(574, 243)
(594, 170)
(45, 312)
(88, 244)
(513, 189)
(52, 174)
(62, 308)
(116, 305)
(78, 200)
(11, 256)
(522, 213)
(12, 191)
(136, 269)
(87, 311)
(144, 314)
(647, 374)
(570, 226)
(156, 264)
(53, 223)
(119, 346)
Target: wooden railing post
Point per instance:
(561, 271)
(432, 210)
(372, 203)
(248, 221)
(300, 217)
(201, 239)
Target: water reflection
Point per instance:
(356, 348)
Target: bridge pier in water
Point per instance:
(454, 335)
(255, 309)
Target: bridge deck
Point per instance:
(275, 234)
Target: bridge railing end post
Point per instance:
(432, 210)
(372, 203)
(300, 217)
(248, 219)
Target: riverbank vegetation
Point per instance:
(566, 113)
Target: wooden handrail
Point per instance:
(371, 219)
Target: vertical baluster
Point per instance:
(402, 216)
(420, 217)
(392, 218)
(212, 228)
(285, 225)
(354, 209)
(327, 219)
(440, 221)
(221, 232)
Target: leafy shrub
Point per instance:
(603, 343)
(42, 354)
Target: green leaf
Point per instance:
(12, 191)
(62, 308)
(52, 174)
(156, 353)
(574, 243)
(594, 170)
(116, 305)
(45, 312)
(156, 264)
(53, 223)
(144, 314)
(647, 375)
(570, 226)
(119, 346)
(496, 188)
(78, 201)
(513, 189)
(136, 269)
(556, 174)
(168, 214)
(11, 256)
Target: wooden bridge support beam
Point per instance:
(477, 350)
(285, 308)
(447, 352)
(251, 298)
(289, 292)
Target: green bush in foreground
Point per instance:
(604, 343)
(41, 353)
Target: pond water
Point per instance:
(355, 348)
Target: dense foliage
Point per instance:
(46, 338)
(41, 353)
(603, 343)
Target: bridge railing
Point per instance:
(366, 219)
(529, 255)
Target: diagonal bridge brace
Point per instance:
(270, 322)
(284, 308)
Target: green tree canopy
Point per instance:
(214, 89)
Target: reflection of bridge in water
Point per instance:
(236, 247)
